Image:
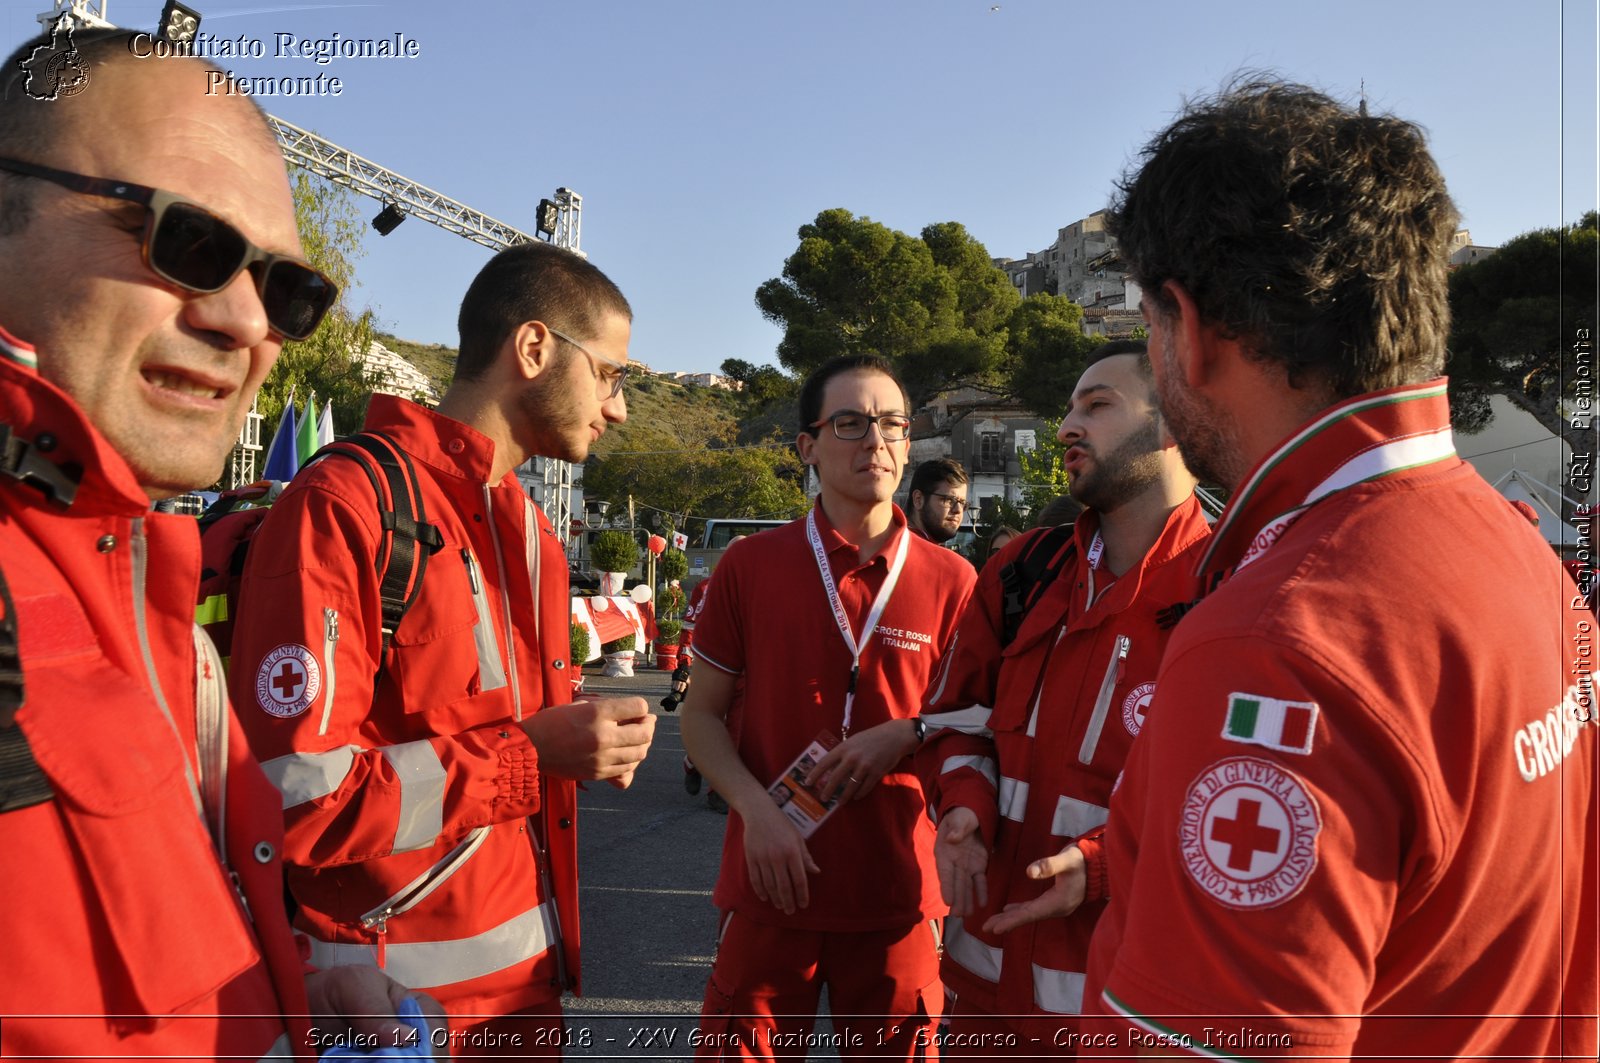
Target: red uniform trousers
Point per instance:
(761, 1000)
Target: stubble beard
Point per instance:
(554, 429)
(1199, 430)
(1124, 473)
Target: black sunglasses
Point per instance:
(191, 247)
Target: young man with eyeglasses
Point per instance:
(937, 501)
(826, 630)
(149, 273)
(428, 777)
(1034, 711)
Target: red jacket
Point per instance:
(1032, 738)
(1363, 817)
(123, 935)
(421, 835)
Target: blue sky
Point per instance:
(703, 134)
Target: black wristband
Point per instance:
(920, 727)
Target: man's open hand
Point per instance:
(1060, 900)
(963, 862)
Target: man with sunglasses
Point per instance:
(149, 273)
(937, 501)
(428, 774)
(826, 630)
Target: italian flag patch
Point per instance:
(1287, 726)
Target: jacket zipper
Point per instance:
(140, 548)
(505, 605)
(418, 889)
(1102, 704)
(491, 673)
(330, 648)
(542, 859)
(1038, 690)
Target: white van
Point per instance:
(719, 532)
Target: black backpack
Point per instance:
(227, 530)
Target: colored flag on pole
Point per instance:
(680, 541)
(282, 461)
(325, 427)
(305, 436)
(1287, 726)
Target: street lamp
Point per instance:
(594, 512)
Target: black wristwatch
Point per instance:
(920, 727)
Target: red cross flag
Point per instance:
(680, 541)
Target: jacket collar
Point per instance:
(440, 442)
(1365, 438)
(59, 433)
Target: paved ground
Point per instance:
(648, 858)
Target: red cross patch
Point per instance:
(1248, 835)
(288, 681)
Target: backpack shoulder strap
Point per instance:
(1025, 578)
(22, 783)
(399, 562)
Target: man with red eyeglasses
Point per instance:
(139, 842)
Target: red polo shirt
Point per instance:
(767, 619)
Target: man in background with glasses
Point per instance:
(820, 636)
(429, 779)
(149, 273)
(937, 502)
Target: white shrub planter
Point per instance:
(619, 664)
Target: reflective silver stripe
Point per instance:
(505, 603)
(280, 1049)
(972, 720)
(1013, 798)
(429, 964)
(983, 765)
(960, 946)
(302, 777)
(1074, 817)
(491, 670)
(422, 779)
(1038, 695)
(1102, 704)
(1060, 992)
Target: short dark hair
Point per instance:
(532, 282)
(811, 391)
(1063, 509)
(1116, 347)
(935, 471)
(1315, 234)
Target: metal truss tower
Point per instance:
(561, 221)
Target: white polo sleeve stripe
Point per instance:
(972, 720)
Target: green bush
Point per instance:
(674, 565)
(614, 551)
(626, 642)
(580, 645)
(667, 632)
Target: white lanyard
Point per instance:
(842, 618)
(1096, 549)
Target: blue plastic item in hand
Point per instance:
(410, 1014)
